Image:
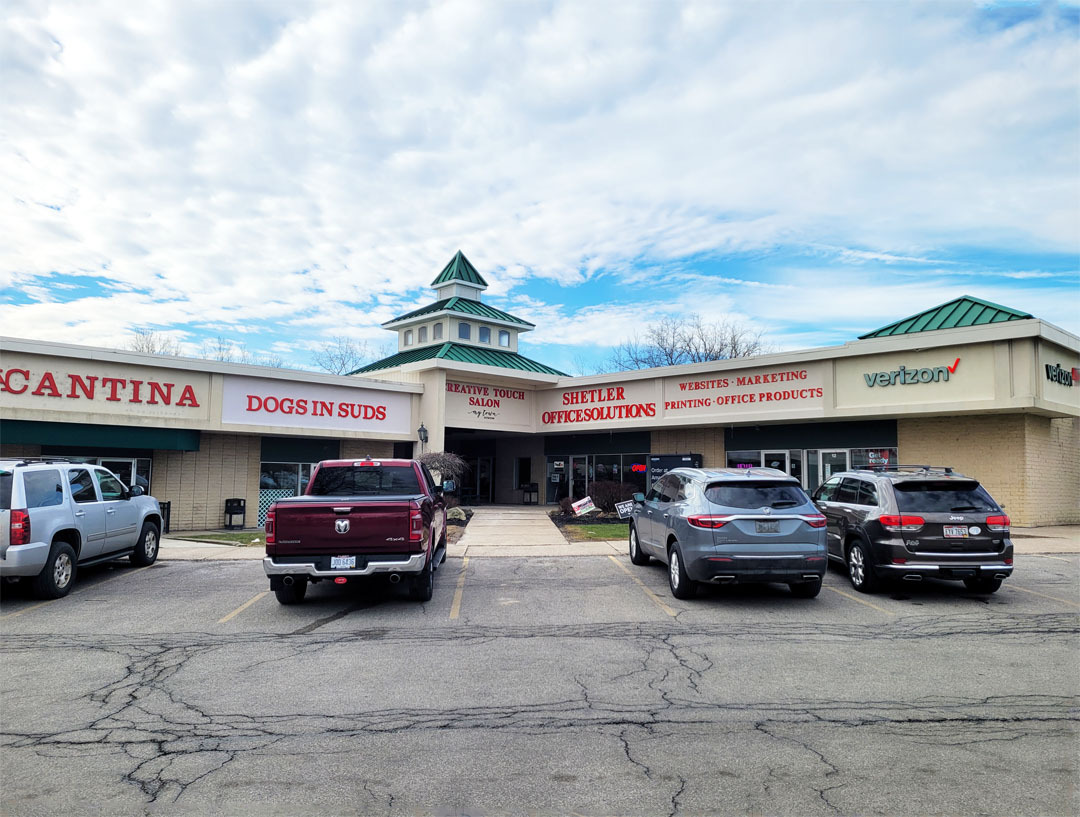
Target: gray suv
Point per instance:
(730, 525)
(57, 515)
(915, 521)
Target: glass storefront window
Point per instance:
(635, 470)
(873, 457)
(606, 468)
(744, 459)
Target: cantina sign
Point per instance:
(69, 386)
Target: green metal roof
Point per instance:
(459, 269)
(466, 307)
(964, 311)
(461, 354)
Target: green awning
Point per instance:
(462, 354)
(963, 311)
(464, 306)
(29, 432)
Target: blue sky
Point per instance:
(279, 173)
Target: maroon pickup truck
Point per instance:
(358, 518)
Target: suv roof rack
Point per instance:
(39, 460)
(941, 469)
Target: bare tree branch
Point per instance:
(153, 342)
(341, 355)
(673, 341)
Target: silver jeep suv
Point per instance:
(730, 525)
(57, 515)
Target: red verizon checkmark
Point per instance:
(952, 369)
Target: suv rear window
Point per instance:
(943, 497)
(350, 480)
(42, 489)
(5, 490)
(756, 494)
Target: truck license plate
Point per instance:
(767, 527)
(342, 562)
(956, 531)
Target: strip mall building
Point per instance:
(988, 390)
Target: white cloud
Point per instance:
(281, 162)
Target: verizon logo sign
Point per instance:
(1065, 377)
(909, 377)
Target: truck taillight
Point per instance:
(899, 524)
(416, 525)
(270, 526)
(998, 523)
(20, 527)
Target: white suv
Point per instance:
(56, 515)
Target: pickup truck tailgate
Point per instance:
(343, 528)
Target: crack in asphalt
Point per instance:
(174, 743)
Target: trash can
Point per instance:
(166, 516)
(530, 493)
(234, 508)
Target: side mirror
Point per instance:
(449, 486)
(136, 491)
(639, 498)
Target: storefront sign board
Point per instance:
(745, 393)
(482, 405)
(55, 384)
(267, 402)
(947, 375)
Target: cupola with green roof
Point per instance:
(459, 326)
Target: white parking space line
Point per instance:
(655, 598)
(25, 610)
(77, 589)
(242, 607)
(860, 601)
(1048, 556)
(1011, 586)
(455, 607)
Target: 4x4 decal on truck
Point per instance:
(906, 377)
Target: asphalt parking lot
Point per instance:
(539, 686)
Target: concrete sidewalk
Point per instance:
(521, 531)
(528, 531)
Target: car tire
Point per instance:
(292, 593)
(637, 555)
(805, 590)
(861, 568)
(55, 579)
(147, 546)
(423, 584)
(980, 584)
(682, 586)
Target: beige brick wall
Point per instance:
(197, 483)
(1028, 463)
(19, 450)
(709, 442)
(358, 449)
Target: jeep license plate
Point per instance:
(767, 527)
(956, 531)
(342, 562)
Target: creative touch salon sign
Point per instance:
(482, 405)
(266, 402)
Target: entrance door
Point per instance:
(776, 459)
(832, 462)
(579, 476)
